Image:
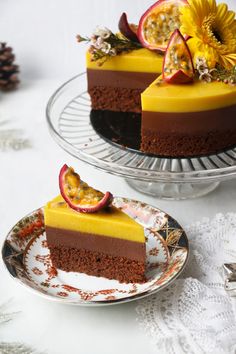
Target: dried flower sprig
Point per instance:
(228, 76)
(105, 44)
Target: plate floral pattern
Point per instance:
(27, 258)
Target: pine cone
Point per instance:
(8, 70)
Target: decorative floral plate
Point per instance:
(27, 258)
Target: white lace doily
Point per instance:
(195, 315)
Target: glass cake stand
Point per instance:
(68, 117)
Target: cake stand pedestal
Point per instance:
(68, 117)
(173, 191)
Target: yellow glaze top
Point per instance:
(112, 224)
(195, 97)
(140, 60)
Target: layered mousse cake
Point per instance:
(86, 234)
(189, 111)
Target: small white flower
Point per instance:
(98, 44)
(113, 52)
(205, 77)
(105, 48)
(201, 64)
(104, 32)
(201, 61)
(203, 70)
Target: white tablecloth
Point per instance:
(42, 34)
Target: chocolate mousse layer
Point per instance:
(122, 79)
(97, 243)
(188, 134)
(117, 90)
(95, 255)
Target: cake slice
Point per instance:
(106, 243)
(117, 84)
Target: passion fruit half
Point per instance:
(177, 64)
(79, 195)
(127, 29)
(159, 22)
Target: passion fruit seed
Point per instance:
(72, 179)
(83, 194)
(58, 204)
(159, 26)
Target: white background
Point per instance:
(42, 33)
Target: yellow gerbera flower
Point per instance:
(212, 29)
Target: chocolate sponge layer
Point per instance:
(98, 264)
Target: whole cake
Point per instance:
(190, 109)
(86, 234)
